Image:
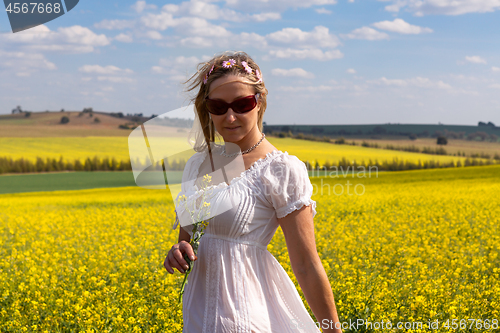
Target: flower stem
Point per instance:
(184, 282)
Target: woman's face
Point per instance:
(234, 127)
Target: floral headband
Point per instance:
(232, 63)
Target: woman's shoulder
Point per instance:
(281, 165)
(285, 161)
(192, 165)
(196, 157)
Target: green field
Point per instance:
(63, 181)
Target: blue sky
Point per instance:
(323, 61)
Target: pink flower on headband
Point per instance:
(257, 73)
(205, 79)
(248, 69)
(211, 69)
(229, 63)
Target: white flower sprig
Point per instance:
(199, 214)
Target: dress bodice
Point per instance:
(271, 188)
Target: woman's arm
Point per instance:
(184, 235)
(298, 228)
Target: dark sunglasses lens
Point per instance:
(244, 104)
(216, 107)
(241, 105)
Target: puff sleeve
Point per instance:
(287, 185)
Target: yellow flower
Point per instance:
(207, 178)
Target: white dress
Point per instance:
(236, 284)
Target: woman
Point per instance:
(236, 285)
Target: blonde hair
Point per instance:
(204, 68)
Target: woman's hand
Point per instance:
(175, 257)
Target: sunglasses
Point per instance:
(241, 105)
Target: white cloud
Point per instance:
(495, 69)
(202, 9)
(261, 17)
(210, 11)
(191, 21)
(475, 59)
(196, 42)
(297, 72)
(115, 24)
(366, 33)
(182, 62)
(351, 71)
(187, 61)
(400, 26)
(420, 82)
(115, 79)
(179, 68)
(74, 39)
(171, 74)
(190, 26)
(160, 21)
(158, 70)
(443, 7)
(495, 86)
(389, 82)
(306, 44)
(323, 11)
(152, 34)
(201, 27)
(318, 37)
(139, 6)
(251, 39)
(277, 5)
(104, 70)
(320, 88)
(24, 64)
(124, 38)
(315, 54)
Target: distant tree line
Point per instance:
(22, 165)
(395, 164)
(378, 131)
(173, 122)
(19, 110)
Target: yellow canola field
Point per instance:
(411, 246)
(323, 151)
(72, 148)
